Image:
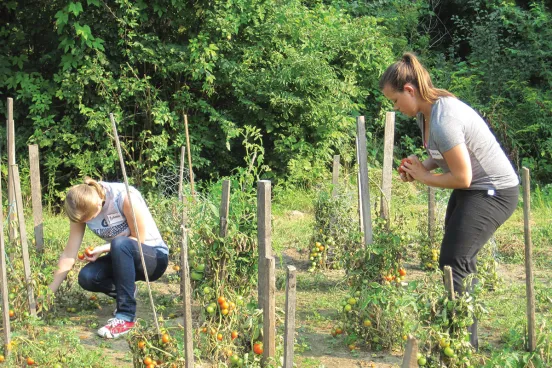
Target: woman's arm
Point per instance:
(139, 211)
(69, 254)
(430, 164)
(459, 176)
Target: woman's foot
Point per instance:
(115, 328)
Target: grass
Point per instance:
(319, 294)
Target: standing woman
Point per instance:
(106, 210)
(485, 185)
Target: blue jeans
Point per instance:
(115, 274)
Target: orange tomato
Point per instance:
(165, 338)
(148, 361)
(141, 344)
(234, 335)
(258, 348)
(402, 272)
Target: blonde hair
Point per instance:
(410, 70)
(80, 204)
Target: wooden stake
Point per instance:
(4, 286)
(335, 176)
(23, 237)
(138, 237)
(181, 177)
(359, 192)
(387, 171)
(449, 283)
(364, 185)
(410, 359)
(269, 313)
(431, 213)
(289, 331)
(532, 339)
(11, 161)
(224, 208)
(223, 231)
(36, 197)
(264, 230)
(186, 296)
(189, 156)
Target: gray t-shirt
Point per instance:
(453, 123)
(111, 221)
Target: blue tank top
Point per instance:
(111, 221)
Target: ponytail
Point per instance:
(81, 200)
(410, 70)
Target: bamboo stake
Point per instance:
(23, 238)
(118, 145)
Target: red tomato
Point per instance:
(401, 171)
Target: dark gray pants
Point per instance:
(472, 218)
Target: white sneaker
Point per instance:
(135, 294)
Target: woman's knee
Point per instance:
(86, 278)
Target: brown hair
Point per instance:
(410, 70)
(80, 205)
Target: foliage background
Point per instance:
(299, 71)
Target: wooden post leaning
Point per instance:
(4, 286)
(186, 289)
(23, 237)
(410, 359)
(269, 312)
(181, 172)
(264, 236)
(223, 231)
(364, 184)
(387, 170)
(431, 213)
(335, 175)
(10, 128)
(189, 156)
(289, 330)
(532, 339)
(181, 200)
(36, 197)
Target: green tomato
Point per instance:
(200, 267)
(422, 361)
(352, 301)
(196, 276)
(234, 359)
(449, 352)
(347, 308)
(210, 309)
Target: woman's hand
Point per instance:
(92, 254)
(414, 169)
